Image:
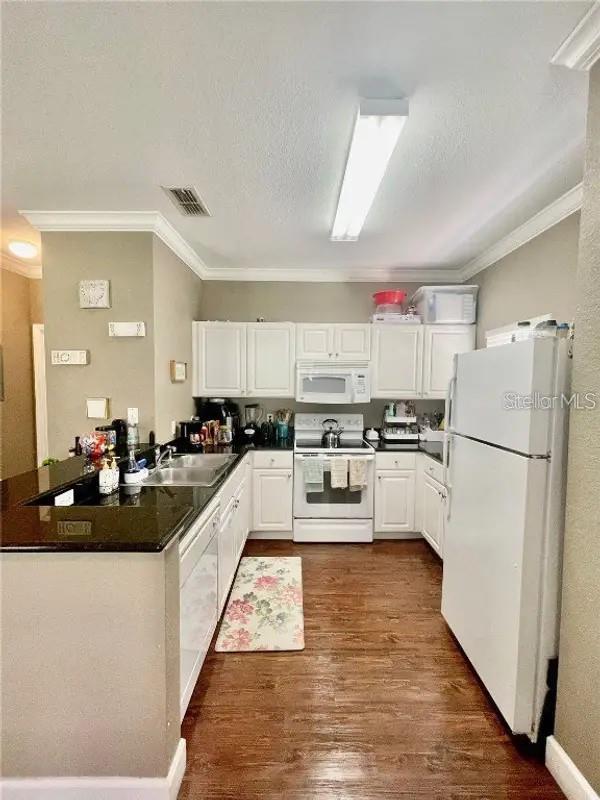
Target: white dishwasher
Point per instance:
(198, 582)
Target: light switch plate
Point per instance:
(69, 357)
(97, 407)
(126, 328)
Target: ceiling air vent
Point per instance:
(187, 201)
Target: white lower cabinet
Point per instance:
(272, 494)
(395, 500)
(433, 507)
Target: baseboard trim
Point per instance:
(397, 535)
(566, 774)
(271, 535)
(99, 788)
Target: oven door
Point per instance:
(332, 503)
(323, 386)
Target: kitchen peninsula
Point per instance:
(107, 615)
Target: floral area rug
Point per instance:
(265, 610)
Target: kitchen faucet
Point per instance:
(168, 451)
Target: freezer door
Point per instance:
(491, 387)
(493, 550)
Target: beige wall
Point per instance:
(177, 292)
(278, 301)
(538, 278)
(120, 368)
(21, 307)
(149, 284)
(578, 711)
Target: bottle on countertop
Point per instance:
(105, 479)
(114, 468)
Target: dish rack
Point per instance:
(400, 429)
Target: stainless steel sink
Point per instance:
(204, 460)
(193, 470)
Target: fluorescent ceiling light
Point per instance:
(376, 131)
(23, 249)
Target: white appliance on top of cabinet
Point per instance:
(342, 341)
(505, 519)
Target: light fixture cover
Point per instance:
(376, 131)
(23, 249)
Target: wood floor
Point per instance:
(380, 704)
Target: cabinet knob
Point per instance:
(289, 475)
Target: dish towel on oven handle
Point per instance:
(313, 474)
(339, 472)
(358, 474)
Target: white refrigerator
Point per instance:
(503, 541)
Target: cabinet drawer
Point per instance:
(433, 468)
(273, 459)
(396, 460)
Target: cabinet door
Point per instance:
(227, 552)
(441, 344)
(314, 342)
(433, 512)
(395, 500)
(219, 359)
(271, 359)
(352, 342)
(272, 500)
(396, 361)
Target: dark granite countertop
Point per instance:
(128, 521)
(433, 449)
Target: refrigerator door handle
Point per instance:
(448, 474)
(450, 398)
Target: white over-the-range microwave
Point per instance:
(318, 382)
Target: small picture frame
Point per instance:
(94, 294)
(178, 371)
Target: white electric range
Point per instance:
(323, 513)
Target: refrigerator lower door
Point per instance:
(493, 551)
(502, 395)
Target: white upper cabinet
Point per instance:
(442, 342)
(314, 342)
(352, 342)
(396, 361)
(325, 342)
(219, 359)
(271, 359)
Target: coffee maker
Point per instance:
(250, 430)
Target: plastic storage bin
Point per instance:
(455, 305)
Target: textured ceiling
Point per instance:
(253, 104)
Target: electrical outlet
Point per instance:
(133, 416)
(173, 428)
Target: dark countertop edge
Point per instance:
(436, 453)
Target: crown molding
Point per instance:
(563, 207)
(133, 221)
(581, 48)
(12, 264)
(155, 222)
(332, 275)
